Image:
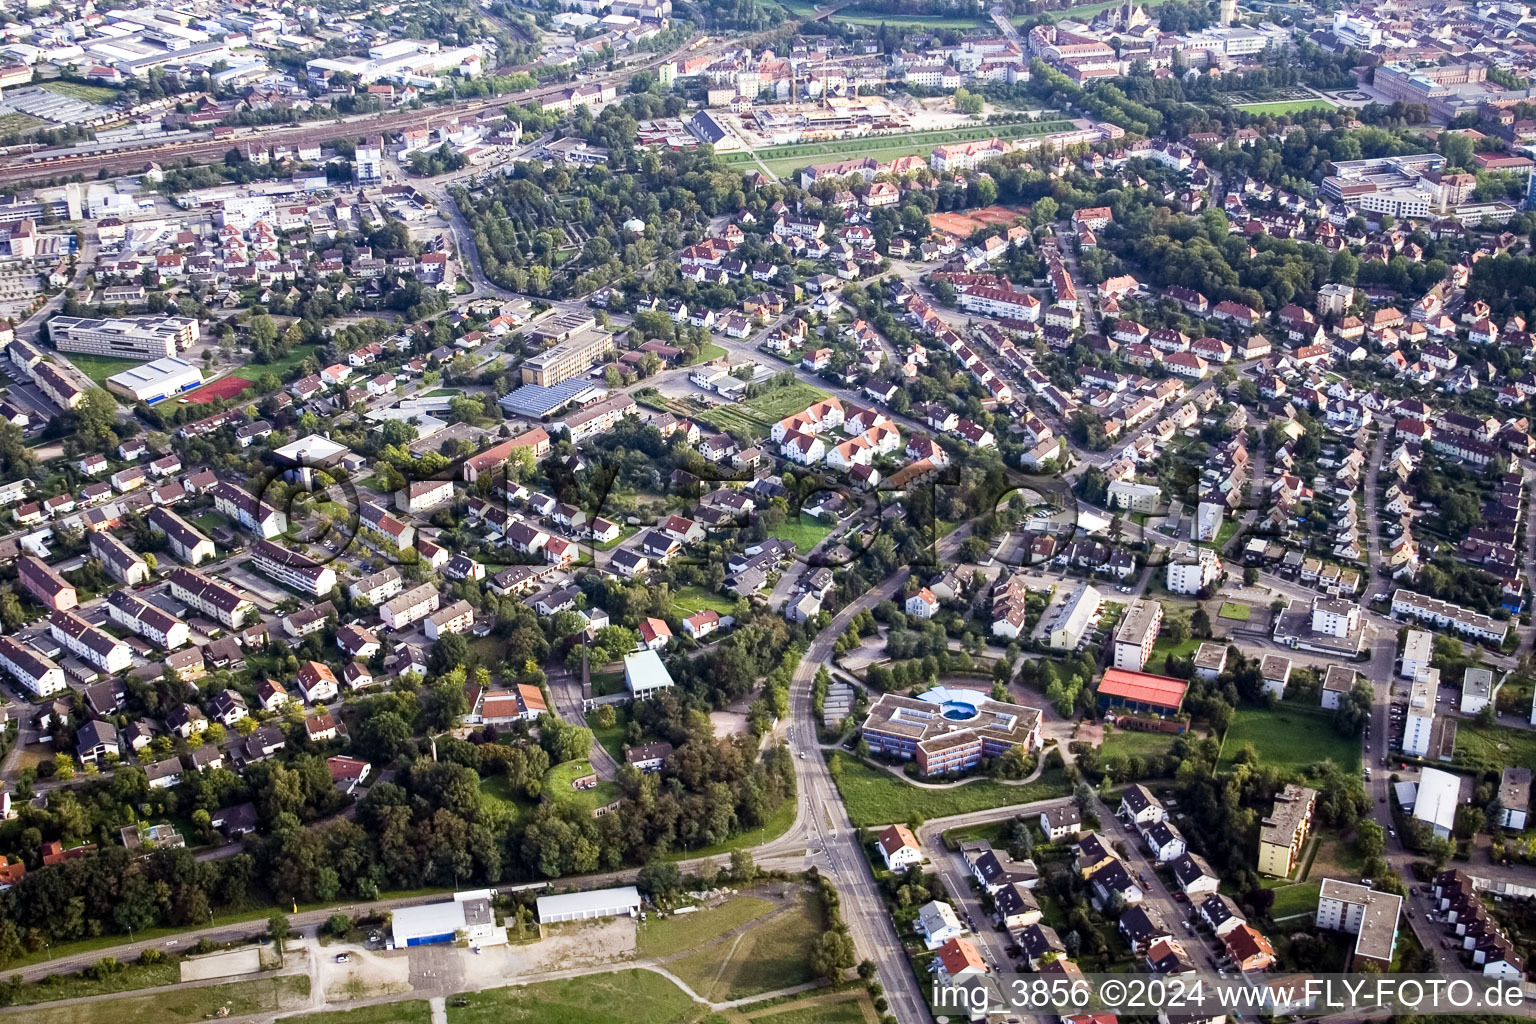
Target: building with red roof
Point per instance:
(1141, 691)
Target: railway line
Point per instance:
(42, 164)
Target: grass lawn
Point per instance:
(73, 986)
(612, 740)
(443, 393)
(409, 1011)
(842, 1008)
(1234, 610)
(805, 534)
(1294, 900)
(557, 787)
(770, 955)
(1132, 743)
(1494, 746)
(622, 997)
(243, 999)
(1290, 737)
(99, 368)
(1227, 531)
(1165, 647)
(876, 797)
(1082, 12)
(777, 824)
(608, 682)
(690, 599)
(1284, 107)
(81, 91)
(253, 370)
(207, 519)
(781, 402)
(784, 160)
(663, 936)
(708, 352)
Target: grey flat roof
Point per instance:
(590, 902)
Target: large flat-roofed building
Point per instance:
(536, 401)
(1358, 910)
(139, 337)
(1137, 633)
(949, 730)
(571, 357)
(1418, 649)
(623, 901)
(1436, 799)
(155, 381)
(1141, 692)
(468, 915)
(645, 674)
(1284, 830)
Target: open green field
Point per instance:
(874, 796)
(804, 534)
(557, 787)
(770, 955)
(690, 599)
(623, 997)
(784, 160)
(99, 368)
(207, 520)
(1285, 107)
(840, 1008)
(79, 90)
(281, 366)
(1294, 900)
(1290, 737)
(1494, 746)
(663, 936)
(409, 1011)
(1131, 743)
(181, 1006)
(1234, 610)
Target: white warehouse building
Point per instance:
(468, 915)
(585, 906)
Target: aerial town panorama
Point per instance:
(766, 512)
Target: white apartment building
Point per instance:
(456, 618)
(1421, 713)
(1137, 633)
(1000, 302)
(1418, 648)
(1435, 612)
(91, 645)
(293, 569)
(1076, 614)
(159, 627)
(1334, 617)
(416, 603)
(32, 670)
(1191, 575)
(1358, 910)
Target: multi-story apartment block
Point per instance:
(32, 670)
(416, 603)
(186, 541)
(156, 625)
(455, 618)
(1283, 832)
(572, 357)
(1137, 633)
(140, 337)
(121, 562)
(89, 644)
(44, 583)
(244, 508)
(378, 587)
(293, 569)
(218, 601)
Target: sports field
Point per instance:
(225, 387)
